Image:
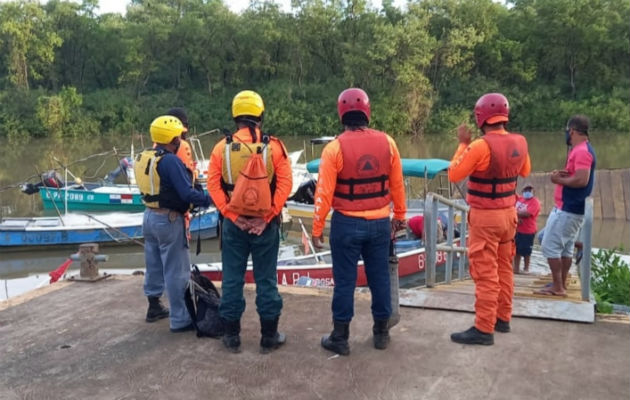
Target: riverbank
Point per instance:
(91, 341)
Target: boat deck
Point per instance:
(90, 341)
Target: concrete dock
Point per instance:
(90, 341)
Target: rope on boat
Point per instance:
(112, 228)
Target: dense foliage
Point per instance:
(610, 279)
(65, 70)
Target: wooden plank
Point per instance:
(546, 187)
(522, 307)
(617, 186)
(597, 196)
(625, 178)
(603, 181)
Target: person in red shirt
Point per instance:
(527, 210)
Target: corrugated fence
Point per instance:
(611, 194)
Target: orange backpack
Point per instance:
(252, 194)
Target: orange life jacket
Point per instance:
(496, 187)
(185, 154)
(363, 182)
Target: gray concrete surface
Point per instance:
(90, 341)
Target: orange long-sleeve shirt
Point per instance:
(331, 164)
(282, 171)
(185, 154)
(476, 157)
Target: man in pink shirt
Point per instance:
(573, 185)
(527, 210)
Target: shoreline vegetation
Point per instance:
(68, 72)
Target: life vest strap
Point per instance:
(361, 196)
(227, 187)
(151, 198)
(351, 182)
(359, 181)
(493, 181)
(493, 195)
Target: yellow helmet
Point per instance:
(247, 102)
(165, 128)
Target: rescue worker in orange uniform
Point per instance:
(493, 164)
(360, 175)
(255, 232)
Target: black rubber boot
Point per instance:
(156, 310)
(270, 338)
(231, 337)
(502, 326)
(473, 336)
(380, 329)
(337, 341)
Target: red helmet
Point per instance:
(492, 108)
(353, 99)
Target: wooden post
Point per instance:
(89, 266)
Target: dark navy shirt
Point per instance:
(176, 191)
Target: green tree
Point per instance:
(26, 41)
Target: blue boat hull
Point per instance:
(15, 239)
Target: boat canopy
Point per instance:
(417, 167)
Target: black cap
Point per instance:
(180, 114)
(527, 187)
(580, 123)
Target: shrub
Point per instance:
(610, 279)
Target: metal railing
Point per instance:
(431, 215)
(586, 239)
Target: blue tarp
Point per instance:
(411, 166)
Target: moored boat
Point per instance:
(316, 269)
(27, 233)
(434, 169)
(93, 197)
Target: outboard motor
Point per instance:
(50, 179)
(125, 166)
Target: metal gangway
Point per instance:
(452, 288)
(433, 204)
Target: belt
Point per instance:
(161, 210)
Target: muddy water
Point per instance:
(21, 162)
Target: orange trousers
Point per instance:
(491, 251)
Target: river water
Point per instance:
(22, 161)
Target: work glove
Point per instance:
(398, 225)
(318, 242)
